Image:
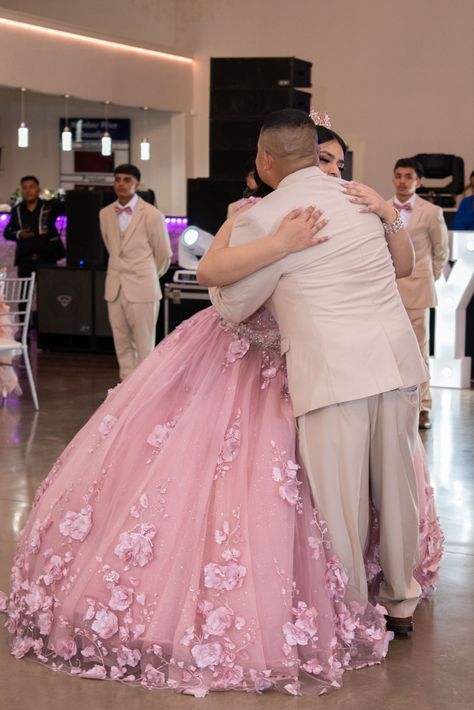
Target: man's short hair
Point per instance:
(288, 118)
(410, 163)
(27, 178)
(128, 169)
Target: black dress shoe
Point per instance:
(401, 627)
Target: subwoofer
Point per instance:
(84, 245)
(65, 301)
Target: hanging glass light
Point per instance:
(66, 135)
(145, 143)
(106, 141)
(23, 132)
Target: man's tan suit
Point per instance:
(137, 258)
(353, 369)
(430, 238)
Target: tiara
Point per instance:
(320, 119)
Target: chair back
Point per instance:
(17, 295)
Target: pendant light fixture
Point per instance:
(145, 144)
(23, 132)
(66, 135)
(106, 141)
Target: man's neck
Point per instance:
(403, 199)
(125, 200)
(302, 165)
(31, 205)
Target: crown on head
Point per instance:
(320, 119)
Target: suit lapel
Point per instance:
(135, 221)
(416, 214)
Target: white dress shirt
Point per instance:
(406, 214)
(125, 218)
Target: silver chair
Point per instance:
(18, 295)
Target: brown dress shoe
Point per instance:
(424, 421)
(401, 627)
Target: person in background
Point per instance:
(138, 244)
(464, 217)
(32, 227)
(427, 228)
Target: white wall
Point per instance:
(395, 75)
(42, 157)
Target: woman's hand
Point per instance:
(298, 230)
(242, 205)
(370, 200)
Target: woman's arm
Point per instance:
(223, 265)
(399, 244)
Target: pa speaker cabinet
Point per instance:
(101, 316)
(260, 73)
(65, 301)
(208, 199)
(84, 245)
(234, 133)
(246, 103)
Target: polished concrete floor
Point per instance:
(432, 670)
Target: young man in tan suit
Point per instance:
(137, 240)
(353, 362)
(429, 234)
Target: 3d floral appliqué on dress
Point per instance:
(174, 544)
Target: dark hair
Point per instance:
(26, 178)
(128, 169)
(262, 189)
(471, 175)
(410, 163)
(327, 134)
(288, 118)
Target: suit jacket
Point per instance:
(46, 246)
(344, 330)
(138, 260)
(430, 238)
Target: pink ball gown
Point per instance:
(174, 544)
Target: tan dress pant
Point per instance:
(351, 450)
(420, 321)
(133, 327)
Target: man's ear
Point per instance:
(267, 161)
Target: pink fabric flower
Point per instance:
(107, 424)
(188, 637)
(261, 680)
(96, 672)
(218, 622)
(206, 654)
(306, 619)
(289, 491)
(66, 648)
(128, 656)
(293, 635)
(154, 677)
(224, 577)
(35, 598)
(55, 570)
(313, 666)
(21, 646)
(121, 598)
(105, 623)
(230, 677)
(237, 349)
(160, 434)
(135, 546)
(45, 622)
(76, 525)
(231, 445)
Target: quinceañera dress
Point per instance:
(175, 545)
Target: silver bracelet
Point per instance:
(395, 226)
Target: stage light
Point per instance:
(23, 132)
(193, 244)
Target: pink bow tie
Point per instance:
(121, 210)
(406, 206)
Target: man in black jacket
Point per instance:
(32, 227)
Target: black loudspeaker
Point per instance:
(84, 245)
(208, 200)
(232, 132)
(65, 301)
(245, 103)
(101, 317)
(230, 164)
(259, 73)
